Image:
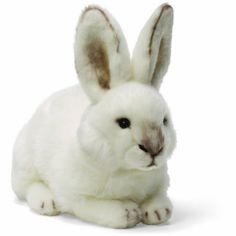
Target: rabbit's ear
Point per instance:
(151, 55)
(102, 58)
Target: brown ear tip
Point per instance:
(166, 6)
(91, 7)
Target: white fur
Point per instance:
(92, 26)
(73, 157)
(145, 65)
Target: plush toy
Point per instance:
(99, 151)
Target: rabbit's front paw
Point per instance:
(128, 216)
(153, 214)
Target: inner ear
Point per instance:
(98, 59)
(159, 63)
(151, 54)
(158, 47)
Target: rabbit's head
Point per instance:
(128, 124)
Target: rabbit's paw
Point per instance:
(41, 200)
(153, 214)
(46, 206)
(128, 215)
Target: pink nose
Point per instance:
(152, 152)
(142, 148)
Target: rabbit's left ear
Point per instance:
(102, 58)
(151, 55)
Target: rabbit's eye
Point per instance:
(165, 121)
(123, 123)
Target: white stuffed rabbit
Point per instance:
(100, 151)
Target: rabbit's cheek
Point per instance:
(121, 142)
(135, 159)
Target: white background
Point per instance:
(36, 59)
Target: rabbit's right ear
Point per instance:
(102, 59)
(151, 55)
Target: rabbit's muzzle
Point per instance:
(153, 142)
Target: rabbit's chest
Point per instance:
(136, 186)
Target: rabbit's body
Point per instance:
(52, 129)
(47, 151)
(101, 154)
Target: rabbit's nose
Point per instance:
(142, 147)
(148, 150)
(153, 155)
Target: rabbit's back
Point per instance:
(50, 131)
